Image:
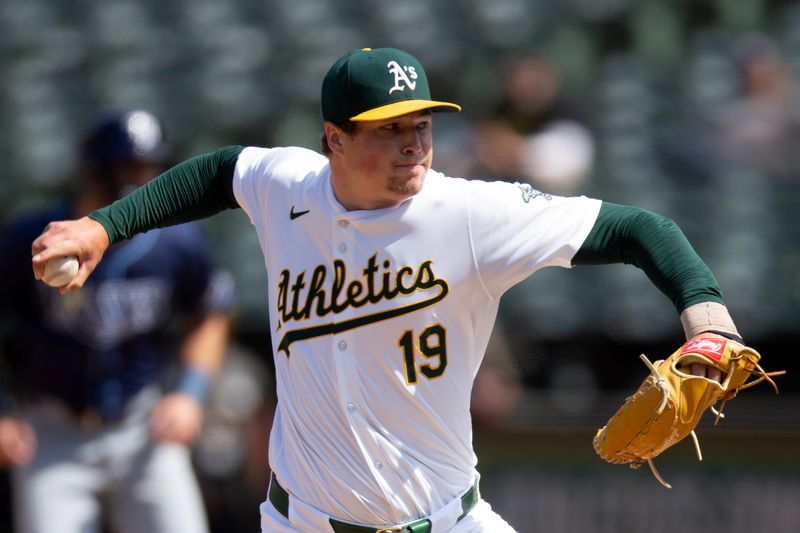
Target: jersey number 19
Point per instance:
(431, 344)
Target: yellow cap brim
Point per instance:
(402, 108)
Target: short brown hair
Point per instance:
(347, 126)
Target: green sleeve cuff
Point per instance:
(197, 188)
(655, 244)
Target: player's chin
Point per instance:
(407, 185)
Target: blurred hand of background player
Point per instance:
(177, 418)
(84, 238)
(17, 442)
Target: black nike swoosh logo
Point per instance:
(295, 214)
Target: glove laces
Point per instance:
(661, 385)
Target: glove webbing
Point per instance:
(661, 384)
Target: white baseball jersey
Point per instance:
(380, 319)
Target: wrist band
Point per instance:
(708, 317)
(195, 383)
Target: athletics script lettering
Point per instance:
(299, 300)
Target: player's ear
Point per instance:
(334, 136)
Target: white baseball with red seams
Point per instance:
(380, 319)
(60, 271)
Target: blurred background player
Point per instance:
(96, 435)
(534, 133)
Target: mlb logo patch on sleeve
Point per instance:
(711, 348)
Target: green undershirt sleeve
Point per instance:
(655, 244)
(197, 188)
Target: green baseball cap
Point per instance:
(377, 84)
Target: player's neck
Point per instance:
(352, 197)
(348, 196)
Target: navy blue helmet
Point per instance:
(124, 135)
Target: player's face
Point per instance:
(135, 173)
(385, 161)
(120, 178)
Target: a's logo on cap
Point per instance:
(402, 76)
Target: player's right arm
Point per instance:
(197, 188)
(655, 244)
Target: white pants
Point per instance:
(144, 487)
(480, 520)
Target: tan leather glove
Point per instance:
(669, 403)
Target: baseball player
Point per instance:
(92, 430)
(384, 283)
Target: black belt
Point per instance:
(280, 500)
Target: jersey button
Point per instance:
(351, 407)
(378, 465)
(342, 345)
(343, 223)
(342, 247)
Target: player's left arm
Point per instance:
(205, 295)
(655, 244)
(178, 417)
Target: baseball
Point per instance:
(58, 272)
